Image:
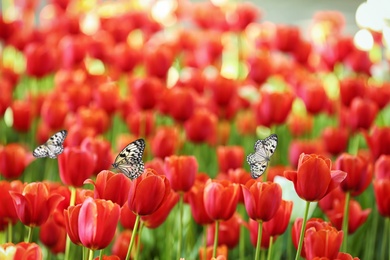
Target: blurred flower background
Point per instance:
(201, 82)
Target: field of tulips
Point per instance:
(200, 84)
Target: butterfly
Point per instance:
(53, 146)
(258, 160)
(129, 160)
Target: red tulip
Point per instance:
(6, 96)
(92, 223)
(239, 176)
(222, 90)
(300, 124)
(156, 186)
(379, 94)
(201, 127)
(158, 60)
(230, 157)
(311, 91)
(259, 196)
(358, 107)
(13, 160)
(158, 217)
(127, 217)
(358, 61)
(76, 134)
(284, 36)
(156, 164)
(382, 167)
(146, 91)
(202, 12)
(111, 186)
(328, 202)
(179, 103)
(181, 172)
(229, 232)
(35, 53)
(265, 236)
(245, 123)
(220, 199)
(222, 253)
(352, 87)
(107, 97)
(101, 149)
(245, 13)
(191, 78)
(278, 224)
(7, 210)
(73, 49)
(125, 57)
(273, 108)
(335, 139)
(360, 172)
(208, 49)
(260, 67)
(75, 166)
(21, 250)
(302, 51)
(93, 117)
(54, 111)
(35, 203)
(357, 216)
(381, 190)
(77, 95)
(378, 141)
(324, 242)
(165, 142)
(141, 123)
(22, 115)
(314, 179)
(53, 236)
(297, 147)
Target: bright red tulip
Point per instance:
(378, 140)
(382, 167)
(260, 67)
(165, 142)
(75, 166)
(229, 232)
(93, 117)
(359, 170)
(121, 244)
(53, 112)
(35, 53)
(101, 149)
(314, 178)
(156, 164)
(127, 217)
(220, 199)
(328, 202)
(259, 196)
(22, 250)
(298, 146)
(311, 91)
(382, 196)
(111, 186)
(146, 91)
(73, 49)
(141, 123)
(358, 61)
(222, 90)
(125, 57)
(380, 94)
(156, 187)
(178, 102)
(6, 96)
(158, 217)
(352, 87)
(239, 176)
(158, 60)
(181, 172)
(92, 223)
(22, 115)
(201, 127)
(77, 94)
(13, 160)
(279, 222)
(265, 236)
(76, 134)
(7, 210)
(106, 96)
(53, 236)
(284, 36)
(230, 157)
(335, 139)
(359, 106)
(35, 204)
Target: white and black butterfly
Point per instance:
(129, 160)
(53, 146)
(258, 160)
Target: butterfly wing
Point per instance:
(53, 146)
(258, 160)
(41, 151)
(129, 160)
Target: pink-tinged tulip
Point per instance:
(278, 224)
(111, 186)
(35, 204)
(314, 178)
(75, 166)
(335, 139)
(92, 223)
(158, 217)
(7, 210)
(53, 236)
(201, 127)
(73, 49)
(101, 149)
(220, 199)
(378, 140)
(230, 157)
(181, 172)
(229, 232)
(259, 196)
(13, 160)
(156, 187)
(22, 250)
(360, 172)
(22, 115)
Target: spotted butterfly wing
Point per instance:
(129, 160)
(264, 149)
(53, 146)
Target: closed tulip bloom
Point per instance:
(107, 97)
(352, 87)
(278, 224)
(181, 172)
(53, 112)
(358, 107)
(21, 250)
(195, 199)
(101, 148)
(230, 157)
(165, 142)
(382, 167)
(335, 139)
(311, 92)
(146, 91)
(158, 60)
(121, 244)
(222, 90)
(53, 236)
(201, 127)
(158, 217)
(35, 204)
(127, 217)
(75, 166)
(378, 140)
(148, 192)
(314, 178)
(360, 172)
(298, 146)
(325, 242)
(222, 253)
(93, 117)
(35, 53)
(7, 209)
(328, 202)
(178, 102)
(13, 160)
(382, 196)
(253, 232)
(141, 123)
(23, 114)
(262, 199)
(111, 186)
(220, 199)
(229, 232)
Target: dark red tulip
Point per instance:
(380, 94)
(359, 106)
(181, 172)
(158, 60)
(35, 204)
(22, 250)
(222, 90)
(165, 142)
(111, 186)
(101, 149)
(73, 49)
(279, 222)
(335, 139)
(378, 140)
(146, 91)
(53, 236)
(195, 199)
(22, 115)
(229, 232)
(220, 199)
(360, 172)
(53, 112)
(35, 53)
(7, 210)
(352, 87)
(259, 196)
(201, 127)
(314, 178)
(92, 223)
(106, 96)
(13, 160)
(75, 166)
(179, 103)
(260, 67)
(125, 57)
(156, 186)
(382, 196)
(230, 157)
(141, 123)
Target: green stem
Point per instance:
(345, 222)
(384, 239)
(302, 235)
(90, 254)
(9, 231)
(71, 203)
(271, 242)
(180, 225)
(354, 147)
(137, 219)
(259, 236)
(101, 254)
(204, 240)
(30, 233)
(216, 234)
(241, 244)
(139, 244)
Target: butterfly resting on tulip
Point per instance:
(129, 160)
(258, 160)
(53, 146)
